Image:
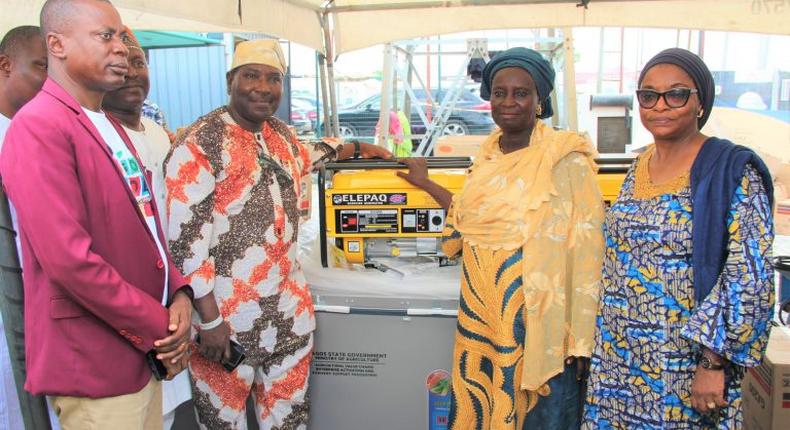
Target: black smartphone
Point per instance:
(158, 368)
(237, 355)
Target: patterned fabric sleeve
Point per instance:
(190, 200)
(313, 153)
(585, 256)
(452, 242)
(151, 110)
(318, 151)
(734, 319)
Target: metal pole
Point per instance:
(555, 120)
(622, 58)
(394, 89)
(324, 95)
(429, 96)
(34, 408)
(409, 72)
(439, 63)
(570, 80)
(330, 72)
(601, 71)
(317, 95)
(386, 93)
(552, 47)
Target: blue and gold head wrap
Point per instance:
(538, 67)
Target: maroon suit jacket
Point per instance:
(92, 274)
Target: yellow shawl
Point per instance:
(545, 200)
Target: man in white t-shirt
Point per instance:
(152, 145)
(150, 140)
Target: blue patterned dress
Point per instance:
(650, 330)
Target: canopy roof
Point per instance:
(361, 23)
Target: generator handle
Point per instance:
(322, 215)
(606, 165)
(378, 164)
(614, 164)
(602, 161)
(623, 168)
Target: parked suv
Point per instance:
(472, 115)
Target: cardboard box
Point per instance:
(782, 218)
(458, 146)
(766, 388)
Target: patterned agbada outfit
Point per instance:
(235, 199)
(528, 224)
(650, 330)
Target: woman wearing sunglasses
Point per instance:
(687, 283)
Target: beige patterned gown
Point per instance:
(235, 199)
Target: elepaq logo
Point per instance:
(370, 199)
(398, 199)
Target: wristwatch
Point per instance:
(357, 150)
(706, 363)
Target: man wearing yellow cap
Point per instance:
(237, 188)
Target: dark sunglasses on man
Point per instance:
(674, 98)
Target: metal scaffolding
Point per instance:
(399, 72)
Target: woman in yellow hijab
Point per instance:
(528, 226)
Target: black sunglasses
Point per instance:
(674, 98)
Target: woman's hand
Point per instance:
(582, 368)
(707, 390)
(215, 343)
(418, 171)
(418, 176)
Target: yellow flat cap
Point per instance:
(263, 51)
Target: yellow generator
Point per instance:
(368, 212)
(611, 174)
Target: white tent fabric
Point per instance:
(361, 23)
(366, 28)
(280, 18)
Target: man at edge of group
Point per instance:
(97, 277)
(236, 189)
(23, 69)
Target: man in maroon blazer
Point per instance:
(97, 275)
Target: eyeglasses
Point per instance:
(674, 98)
